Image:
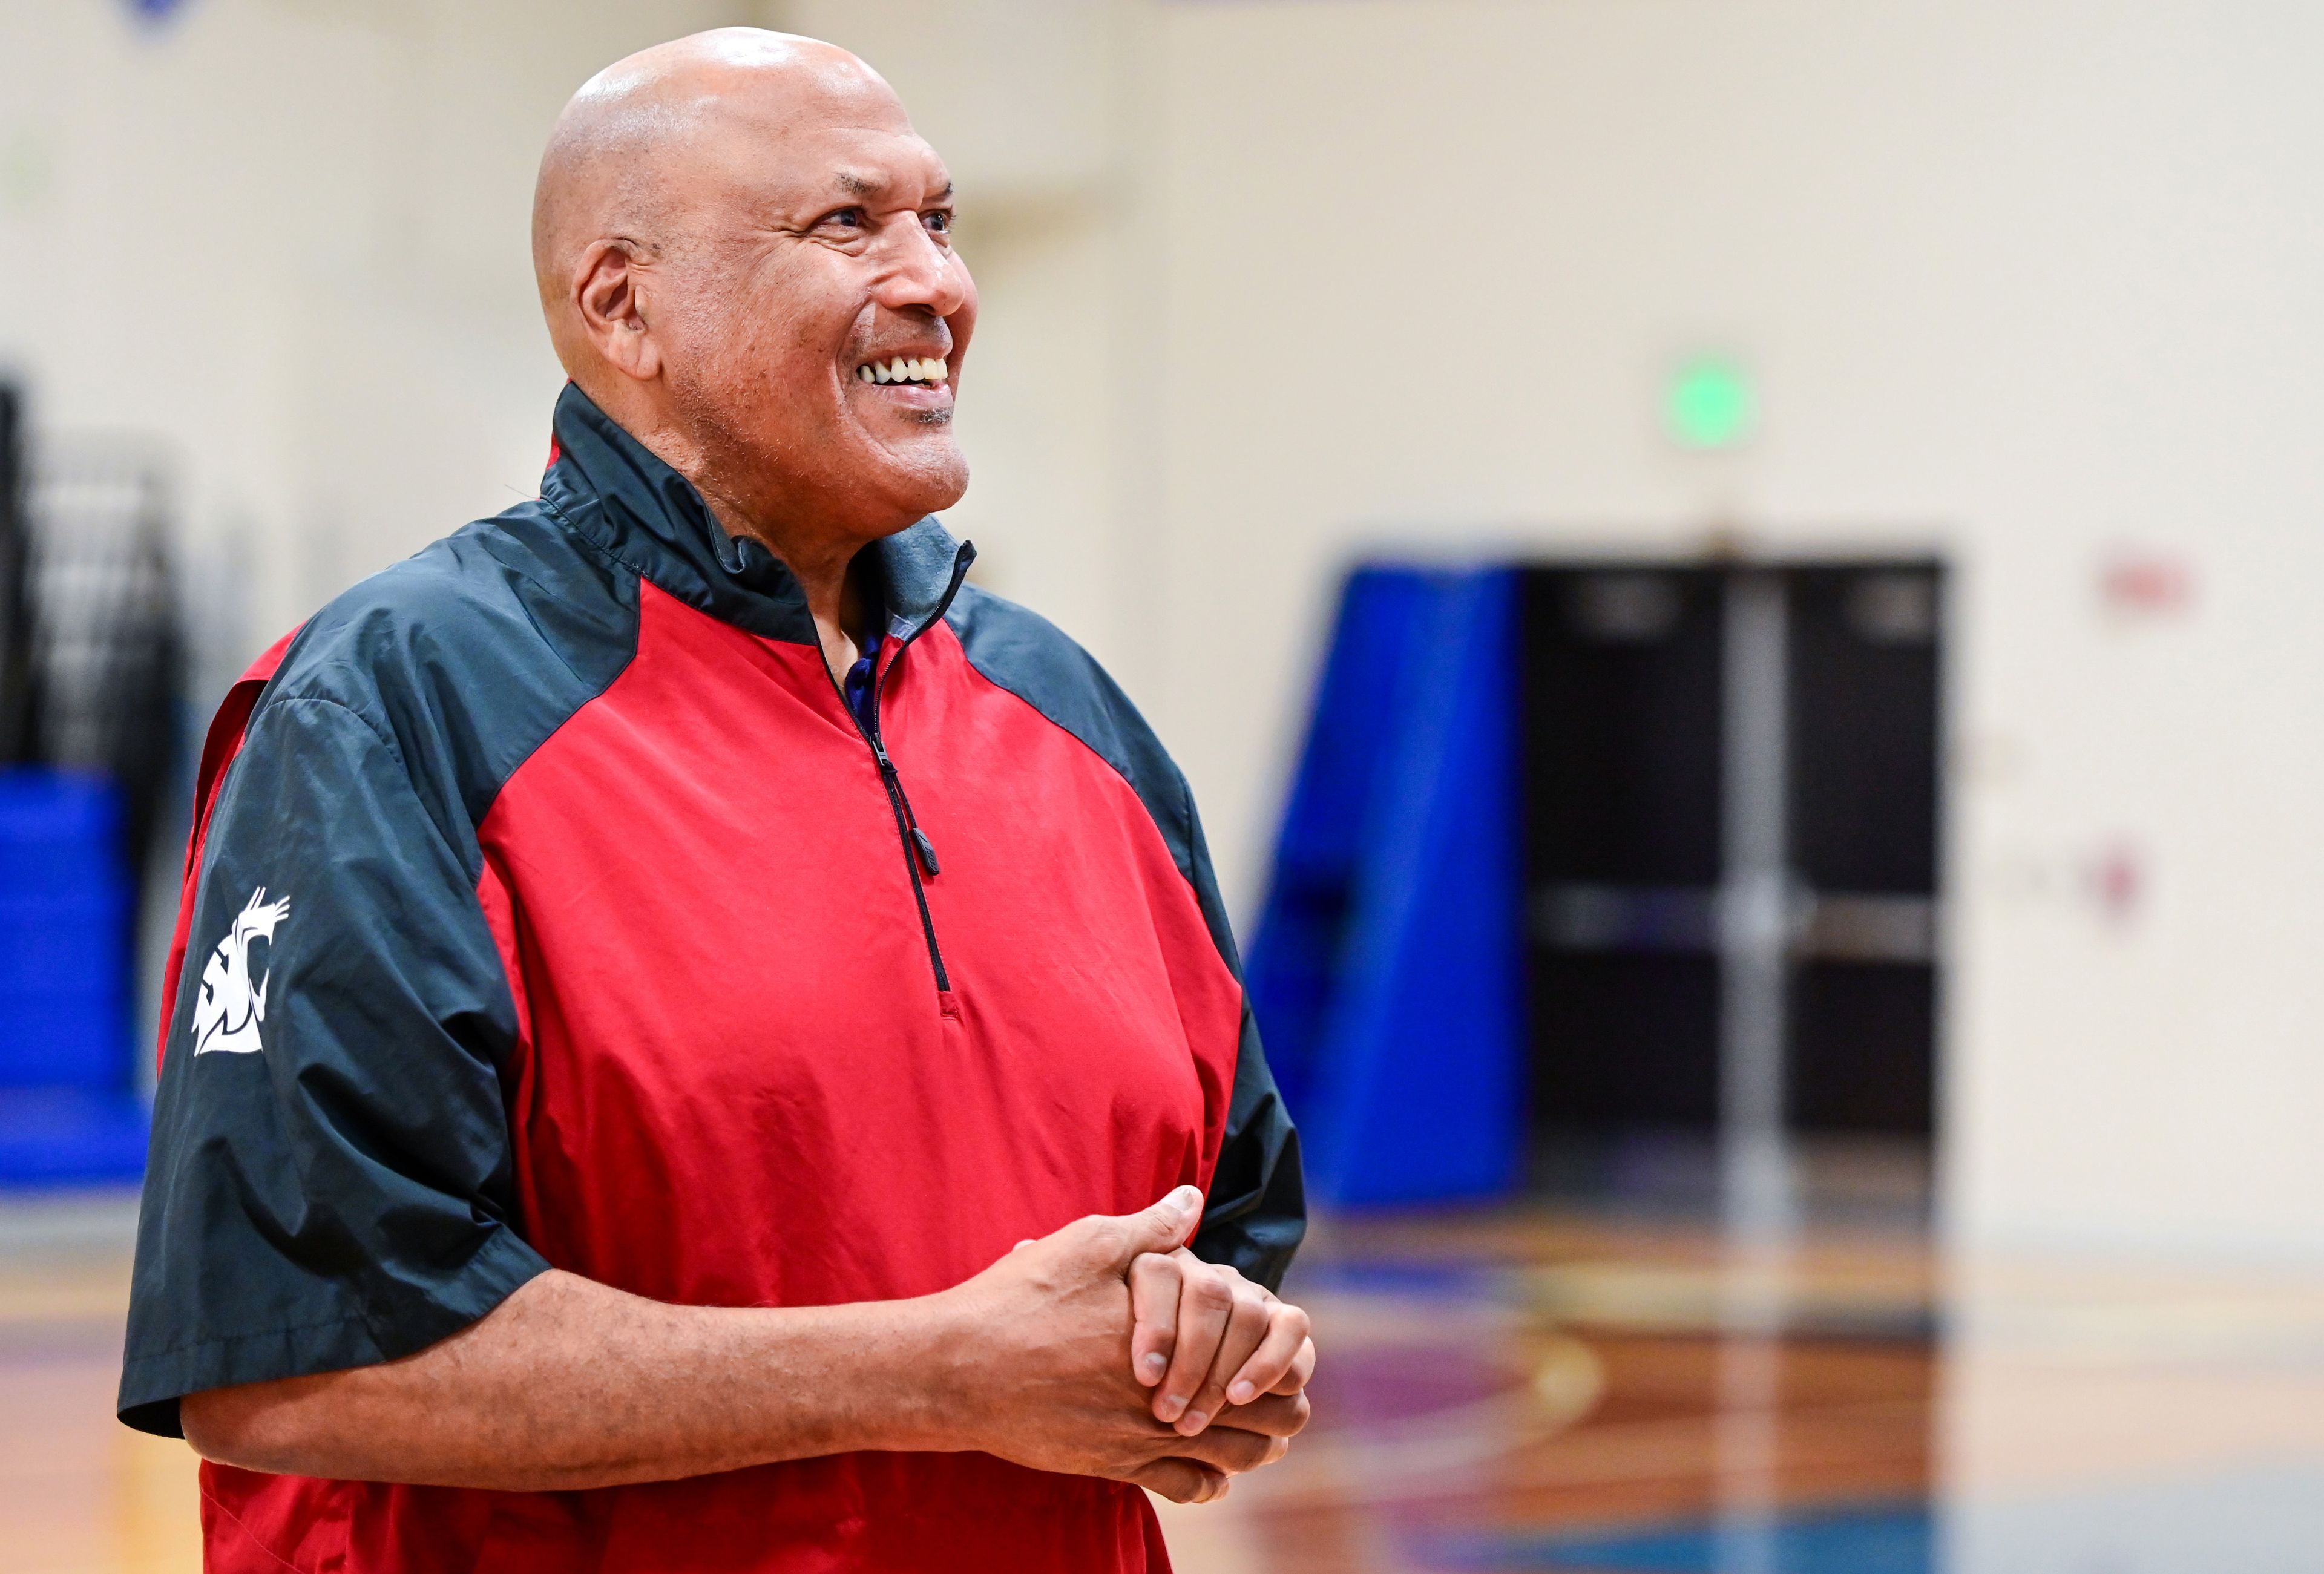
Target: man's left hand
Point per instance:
(1205, 1338)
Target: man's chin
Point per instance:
(927, 483)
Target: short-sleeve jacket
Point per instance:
(549, 907)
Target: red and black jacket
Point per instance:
(551, 909)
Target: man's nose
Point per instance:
(919, 274)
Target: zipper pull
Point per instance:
(922, 847)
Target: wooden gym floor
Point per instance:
(1521, 1390)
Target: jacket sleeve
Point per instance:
(329, 1185)
(1257, 1212)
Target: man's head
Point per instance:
(730, 233)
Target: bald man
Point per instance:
(702, 1041)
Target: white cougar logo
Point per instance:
(227, 1015)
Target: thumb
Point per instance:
(1163, 1227)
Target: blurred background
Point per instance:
(1729, 578)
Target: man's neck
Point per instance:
(821, 560)
(831, 574)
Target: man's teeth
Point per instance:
(929, 371)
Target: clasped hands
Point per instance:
(1203, 1380)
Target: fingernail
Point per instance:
(1243, 1393)
(1169, 1408)
(1192, 1422)
(1186, 1199)
(1155, 1361)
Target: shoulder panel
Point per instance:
(466, 657)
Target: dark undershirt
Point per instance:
(858, 687)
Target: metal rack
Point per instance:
(91, 665)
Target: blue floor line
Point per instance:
(1890, 1539)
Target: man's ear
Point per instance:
(609, 298)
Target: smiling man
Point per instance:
(685, 1008)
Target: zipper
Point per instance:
(919, 851)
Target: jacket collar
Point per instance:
(613, 491)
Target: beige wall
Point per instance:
(1267, 283)
(2027, 281)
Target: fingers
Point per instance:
(1285, 1336)
(1256, 1435)
(1181, 1480)
(1275, 1416)
(1153, 1315)
(1303, 1367)
(1206, 1303)
(1248, 1320)
(1162, 1228)
(1232, 1450)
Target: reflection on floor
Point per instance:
(79, 1493)
(1522, 1390)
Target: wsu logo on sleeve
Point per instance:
(227, 1015)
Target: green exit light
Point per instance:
(1709, 404)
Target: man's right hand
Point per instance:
(1040, 1370)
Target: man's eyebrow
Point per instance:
(857, 185)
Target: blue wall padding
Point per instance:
(1385, 967)
(69, 1137)
(67, 1111)
(1295, 958)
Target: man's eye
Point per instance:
(939, 222)
(846, 218)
